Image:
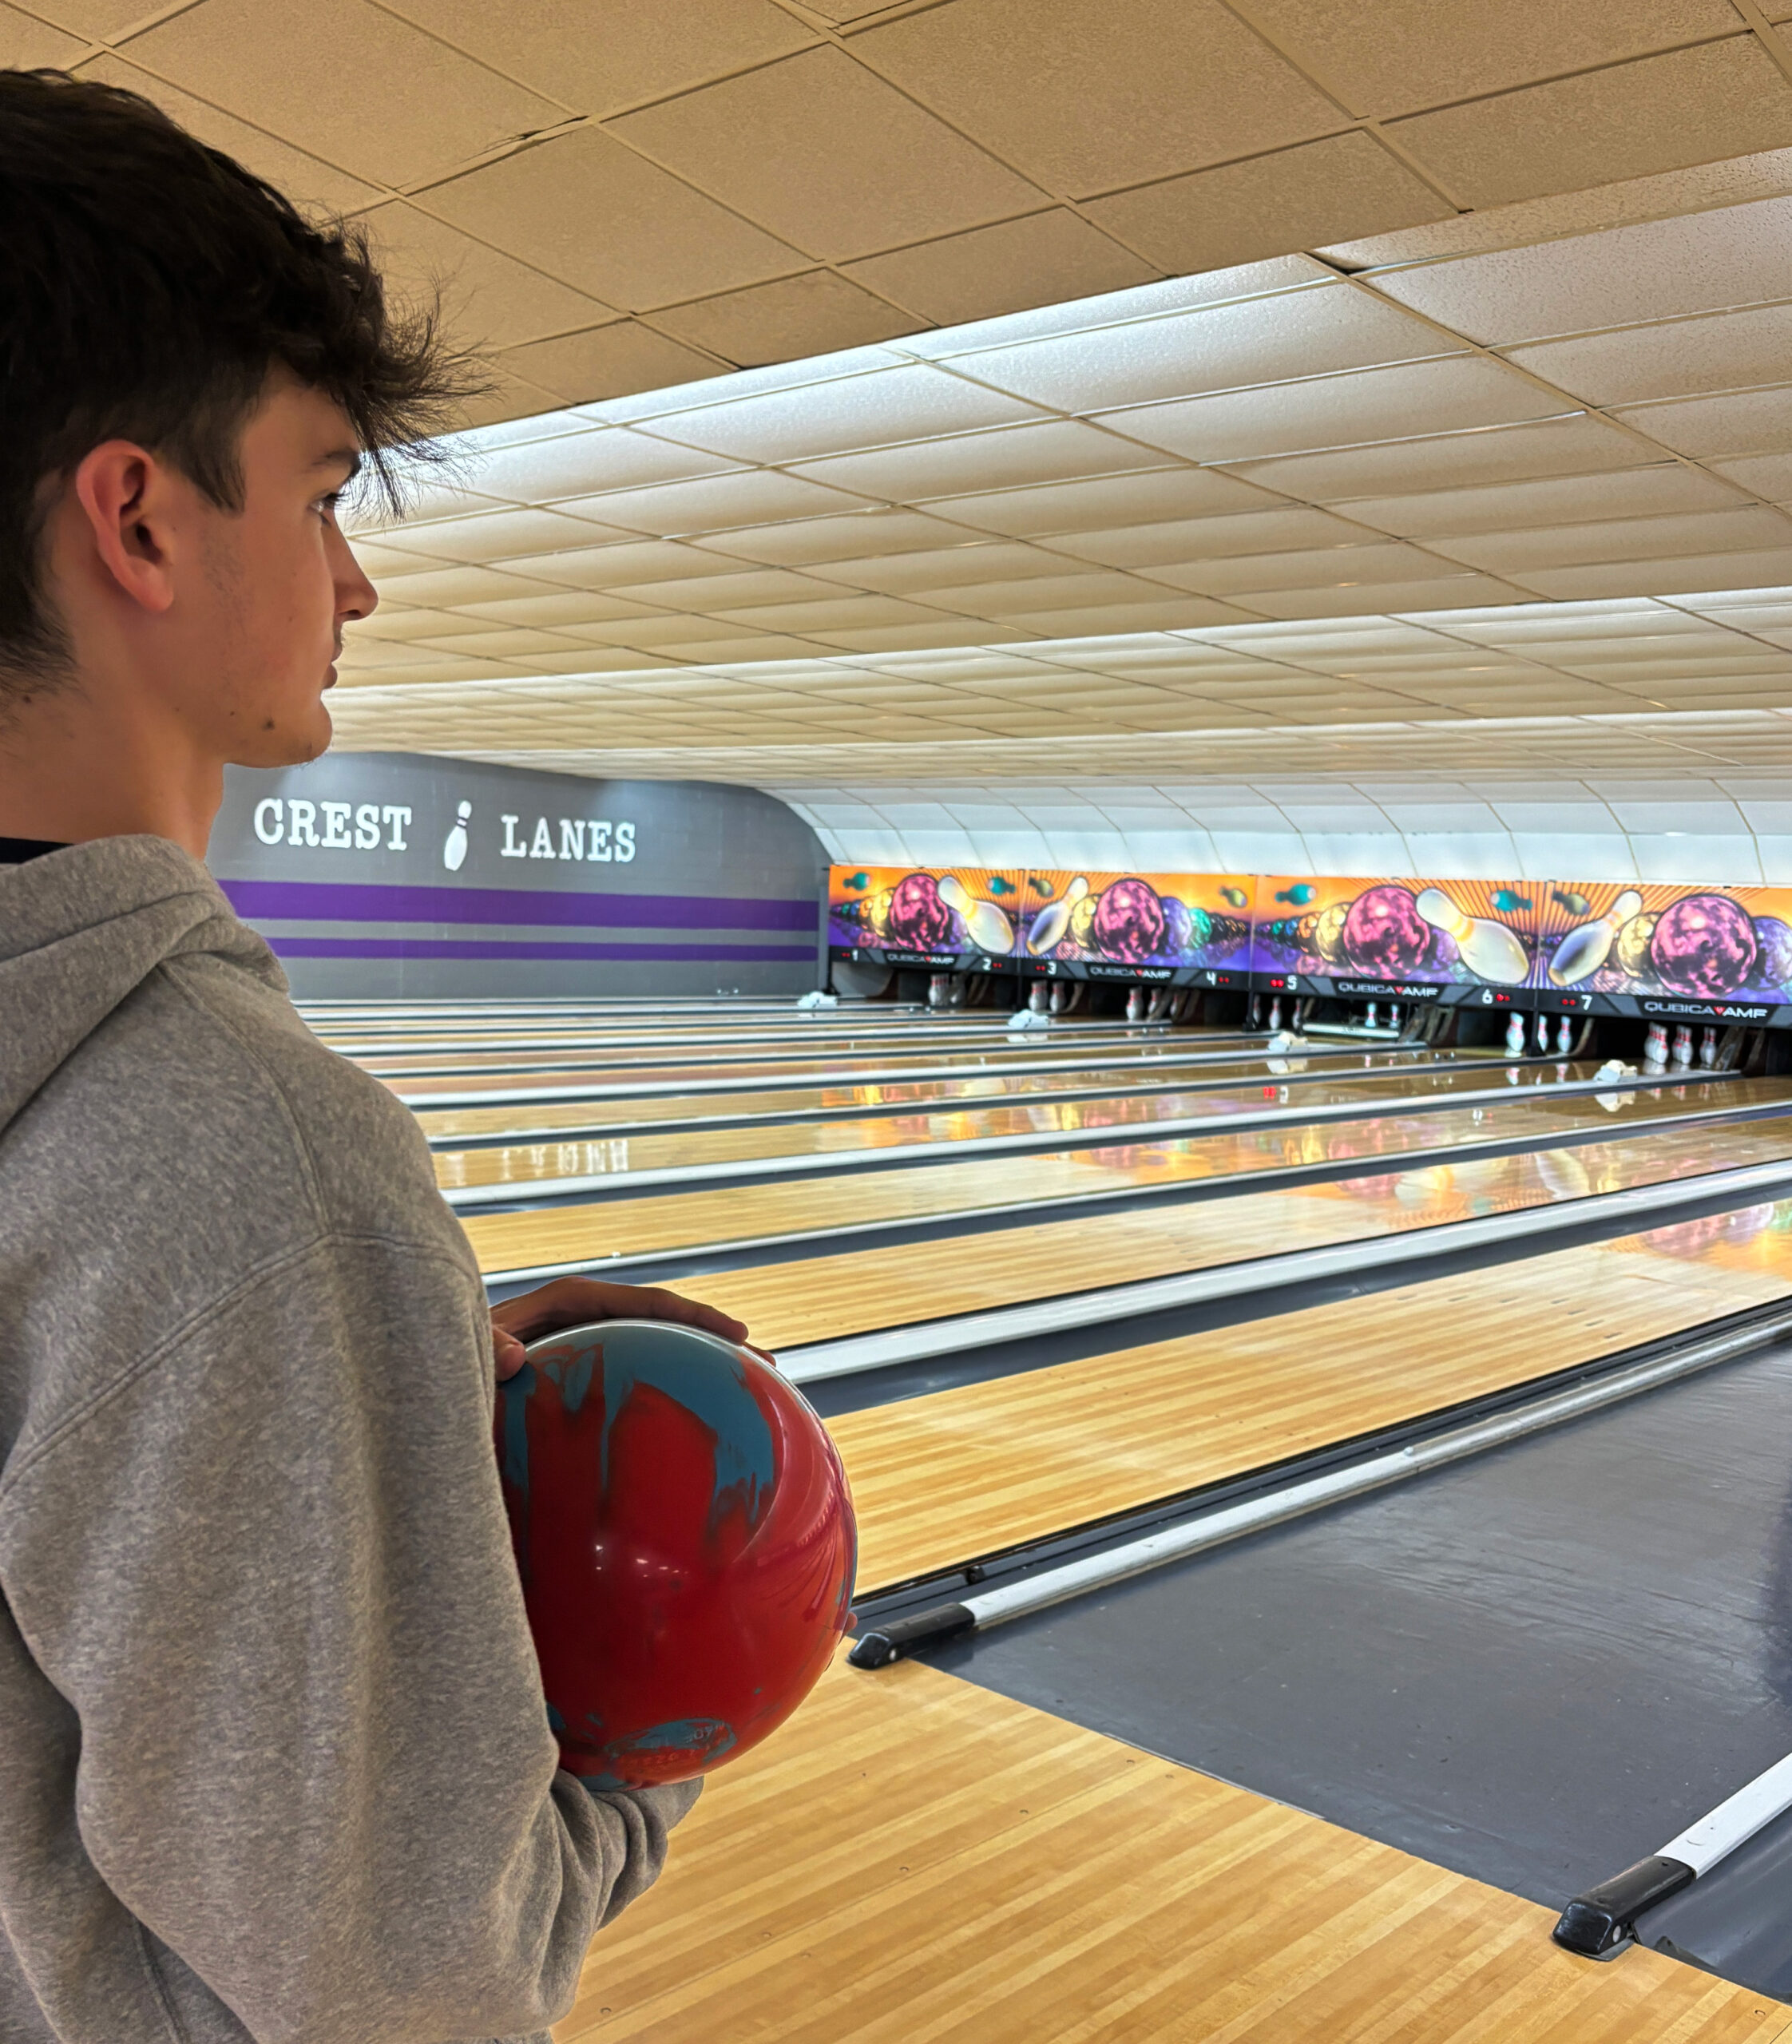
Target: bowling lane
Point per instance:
(793, 1304)
(951, 1863)
(1022, 1053)
(820, 1044)
(623, 1116)
(944, 1479)
(504, 1172)
(376, 1052)
(607, 1235)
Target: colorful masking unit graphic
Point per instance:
(913, 912)
(1710, 943)
(1449, 933)
(1116, 919)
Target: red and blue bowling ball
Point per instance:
(685, 1539)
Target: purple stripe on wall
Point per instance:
(422, 947)
(315, 900)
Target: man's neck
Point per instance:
(68, 775)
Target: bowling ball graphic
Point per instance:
(1703, 944)
(1179, 926)
(1082, 921)
(1773, 962)
(1128, 922)
(1384, 932)
(1327, 937)
(919, 920)
(1629, 950)
(685, 1540)
(1444, 956)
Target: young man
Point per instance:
(274, 1757)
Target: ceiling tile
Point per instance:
(794, 316)
(344, 80)
(837, 613)
(578, 465)
(912, 403)
(1565, 446)
(608, 361)
(1721, 99)
(489, 299)
(505, 399)
(1337, 411)
(584, 209)
(600, 55)
(1732, 255)
(310, 183)
(1621, 540)
(1109, 500)
(1043, 259)
(1018, 454)
(92, 19)
(828, 156)
(1290, 199)
(1747, 422)
(470, 584)
(726, 589)
(1264, 340)
(749, 496)
(1086, 95)
(26, 44)
(1721, 351)
(1331, 567)
(1665, 488)
(1407, 53)
(1737, 571)
(1333, 600)
(506, 536)
(1765, 475)
(1180, 542)
(865, 535)
(915, 573)
(1146, 614)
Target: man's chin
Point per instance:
(290, 744)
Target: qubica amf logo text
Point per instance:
(342, 827)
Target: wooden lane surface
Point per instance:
(1393, 1092)
(914, 1859)
(570, 1118)
(825, 1298)
(1008, 1053)
(666, 1224)
(942, 1480)
(818, 1044)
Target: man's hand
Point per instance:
(575, 1302)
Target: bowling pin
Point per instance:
(1582, 951)
(454, 848)
(1275, 1014)
(937, 991)
(1050, 924)
(1564, 1037)
(1707, 1048)
(1136, 1005)
(1682, 1045)
(1256, 1010)
(989, 927)
(1394, 1017)
(1487, 948)
(1369, 1018)
(1040, 998)
(1061, 995)
(1515, 1035)
(1655, 1046)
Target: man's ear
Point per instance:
(127, 499)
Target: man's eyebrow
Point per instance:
(349, 458)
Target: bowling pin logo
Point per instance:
(1487, 948)
(1587, 947)
(454, 849)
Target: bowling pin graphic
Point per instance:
(1049, 924)
(990, 929)
(1583, 950)
(454, 849)
(1487, 948)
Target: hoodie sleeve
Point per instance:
(270, 1571)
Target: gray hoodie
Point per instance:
(274, 1758)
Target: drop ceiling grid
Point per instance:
(446, 101)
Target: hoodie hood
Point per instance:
(80, 931)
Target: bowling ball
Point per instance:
(1385, 933)
(1082, 922)
(1773, 963)
(919, 920)
(1128, 921)
(1629, 949)
(685, 1539)
(1185, 930)
(1703, 944)
(1328, 932)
